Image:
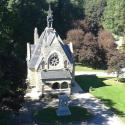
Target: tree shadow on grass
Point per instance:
(111, 104)
(90, 81)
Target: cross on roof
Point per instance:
(50, 18)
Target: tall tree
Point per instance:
(114, 16)
(94, 10)
(65, 12)
(11, 74)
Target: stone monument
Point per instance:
(50, 62)
(63, 109)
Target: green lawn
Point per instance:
(93, 81)
(113, 96)
(84, 68)
(48, 115)
(110, 91)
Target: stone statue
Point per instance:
(63, 109)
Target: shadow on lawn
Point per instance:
(111, 104)
(87, 81)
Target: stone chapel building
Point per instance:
(50, 63)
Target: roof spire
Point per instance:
(50, 18)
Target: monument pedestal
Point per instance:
(63, 109)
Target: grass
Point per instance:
(48, 115)
(87, 81)
(114, 97)
(109, 90)
(84, 68)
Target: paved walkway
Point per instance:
(102, 115)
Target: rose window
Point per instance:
(54, 60)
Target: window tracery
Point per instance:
(54, 59)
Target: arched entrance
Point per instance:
(55, 85)
(64, 85)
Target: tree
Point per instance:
(106, 40)
(5, 28)
(75, 36)
(89, 52)
(114, 16)
(12, 83)
(84, 25)
(116, 63)
(94, 10)
(106, 45)
(65, 12)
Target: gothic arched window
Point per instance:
(64, 85)
(43, 65)
(55, 85)
(65, 64)
(54, 59)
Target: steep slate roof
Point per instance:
(38, 49)
(35, 56)
(68, 52)
(55, 74)
(46, 40)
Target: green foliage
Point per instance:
(87, 69)
(65, 12)
(12, 83)
(122, 47)
(114, 16)
(113, 96)
(93, 11)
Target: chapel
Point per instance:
(50, 62)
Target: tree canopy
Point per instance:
(78, 21)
